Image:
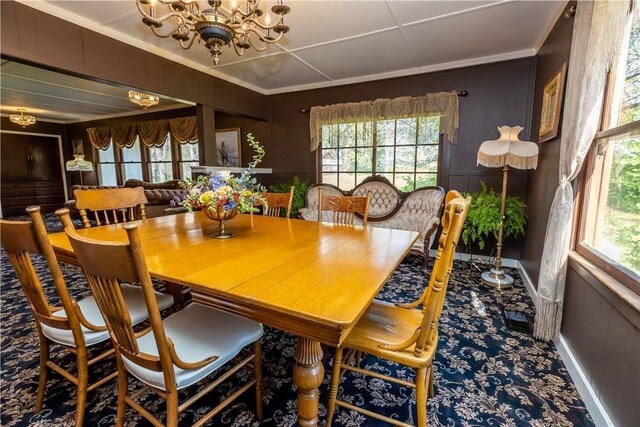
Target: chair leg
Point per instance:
(42, 383)
(83, 384)
(335, 382)
(432, 392)
(421, 396)
(123, 386)
(358, 358)
(172, 408)
(257, 366)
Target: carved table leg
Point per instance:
(308, 374)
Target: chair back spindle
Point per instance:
(434, 295)
(111, 205)
(104, 265)
(22, 238)
(344, 208)
(276, 202)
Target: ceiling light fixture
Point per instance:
(217, 27)
(22, 119)
(144, 100)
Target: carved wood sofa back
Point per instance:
(418, 210)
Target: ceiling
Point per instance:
(51, 96)
(338, 42)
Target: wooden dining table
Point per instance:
(313, 280)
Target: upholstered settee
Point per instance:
(158, 195)
(418, 210)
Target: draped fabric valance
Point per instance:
(100, 137)
(184, 129)
(443, 104)
(124, 135)
(152, 133)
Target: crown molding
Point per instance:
(409, 72)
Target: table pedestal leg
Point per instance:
(308, 374)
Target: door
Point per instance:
(30, 174)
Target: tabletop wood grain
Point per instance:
(321, 273)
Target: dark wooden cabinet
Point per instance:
(31, 174)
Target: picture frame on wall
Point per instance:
(228, 148)
(552, 105)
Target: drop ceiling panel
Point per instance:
(494, 36)
(273, 72)
(314, 22)
(411, 11)
(374, 54)
(352, 39)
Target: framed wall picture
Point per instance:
(228, 147)
(551, 105)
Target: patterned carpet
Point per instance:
(484, 373)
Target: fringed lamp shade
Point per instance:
(79, 164)
(505, 152)
(508, 150)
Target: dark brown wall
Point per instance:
(48, 128)
(600, 328)
(543, 181)
(261, 131)
(30, 35)
(499, 94)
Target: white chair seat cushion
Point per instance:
(134, 300)
(197, 332)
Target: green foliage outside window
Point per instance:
(483, 218)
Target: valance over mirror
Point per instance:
(152, 133)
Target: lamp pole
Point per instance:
(496, 277)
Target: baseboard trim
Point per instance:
(587, 393)
(462, 256)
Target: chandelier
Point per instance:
(22, 119)
(144, 100)
(217, 27)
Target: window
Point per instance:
(405, 151)
(160, 162)
(131, 161)
(610, 217)
(107, 167)
(189, 156)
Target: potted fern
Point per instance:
(298, 193)
(483, 218)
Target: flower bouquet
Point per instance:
(221, 195)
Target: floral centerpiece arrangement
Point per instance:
(221, 195)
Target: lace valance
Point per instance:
(443, 104)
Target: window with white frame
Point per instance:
(610, 216)
(404, 150)
(161, 162)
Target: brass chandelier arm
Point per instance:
(244, 24)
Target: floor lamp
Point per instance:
(505, 152)
(79, 164)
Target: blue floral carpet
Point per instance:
(485, 374)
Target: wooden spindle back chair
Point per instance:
(405, 333)
(106, 263)
(344, 208)
(276, 202)
(111, 205)
(20, 239)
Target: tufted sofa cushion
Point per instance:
(418, 210)
(159, 195)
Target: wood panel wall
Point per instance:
(600, 328)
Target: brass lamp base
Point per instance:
(497, 279)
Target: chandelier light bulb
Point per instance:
(238, 25)
(22, 119)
